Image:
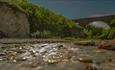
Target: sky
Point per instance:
(75, 9)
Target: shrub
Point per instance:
(113, 23)
(43, 34)
(112, 33)
(95, 32)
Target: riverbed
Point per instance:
(18, 55)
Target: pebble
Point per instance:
(52, 61)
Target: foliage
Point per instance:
(88, 33)
(113, 23)
(43, 34)
(42, 20)
(97, 33)
(92, 32)
(111, 33)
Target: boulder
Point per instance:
(85, 59)
(108, 44)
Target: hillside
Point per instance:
(23, 19)
(13, 21)
(46, 24)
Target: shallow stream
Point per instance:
(55, 56)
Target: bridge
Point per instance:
(85, 21)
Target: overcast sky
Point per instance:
(75, 9)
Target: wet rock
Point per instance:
(3, 47)
(85, 59)
(90, 67)
(69, 54)
(60, 46)
(53, 58)
(52, 61)
(43, 45)
(109, 45)
(74, 58)
(85, 43)
(2, 54)
(21, 59)
(20, 51)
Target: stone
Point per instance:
(85, 43)
(85, 59)
(109, 45)
(52, 61)
(90, 67)
(2, 54)
(60, 46)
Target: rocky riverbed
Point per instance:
(55, 56)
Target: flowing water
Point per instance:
(55, 56)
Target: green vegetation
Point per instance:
(44, 23)
(113, 23)
(96, 33)
(92, 32)
(112, 31)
